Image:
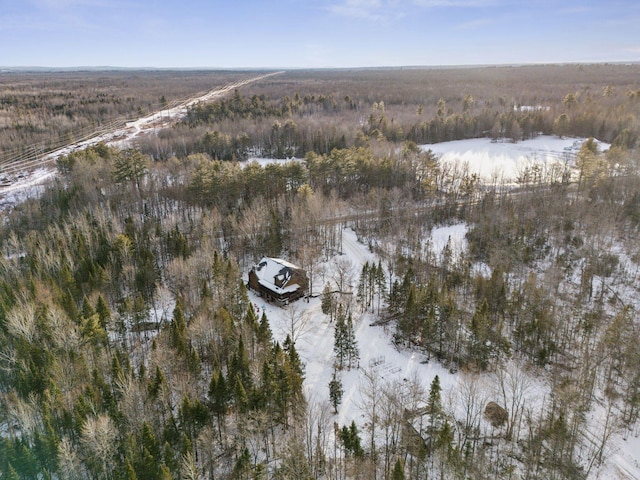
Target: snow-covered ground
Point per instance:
(503, 159)
(20, 179)
(263, 162)
(314, 332)
(392, 365)
(315, 340)
(24, 186)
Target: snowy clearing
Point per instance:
(396, 367)
(315, 340)
(263, 162)
(503, 160)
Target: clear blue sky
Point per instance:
(315, 33)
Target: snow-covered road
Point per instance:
(19, 176)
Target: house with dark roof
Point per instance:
(278, 281)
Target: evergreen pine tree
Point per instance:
(340, 339)
(179, 329)
(156, 384)
(409, 322)
(480, 330)
(165, 473)
(87, 310)
(284, 391)
(268, 385)
(240, 396)
(11, 473)
(240, 366)
(117, 373)
(328, 301)
(362, 287)
(242, 465)
(250, 318)
(148, 465)
(351, 440)
(149, 441)
(398, 471)
(129, 471)
(294, 359)
(193, 361)
(371, 285)
(93, 331)
(335, 392)
(218, 393)
(434, 404)
(395, 297)
(351, 344)
(103, 312)
(444, 442)
(264, 330)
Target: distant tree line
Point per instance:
(288, 125)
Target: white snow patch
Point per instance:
(24, 186)
(504, 160)
(263, 162)
(530, 108)
(454, 235)
(315, 340)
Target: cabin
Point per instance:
(278, 281)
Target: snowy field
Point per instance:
(502, 159)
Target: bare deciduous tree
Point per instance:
(344, 273)
(68, 461)
(97, 437)
(21, 321)
(372, 396)
(515, 386)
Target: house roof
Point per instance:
(275, 270)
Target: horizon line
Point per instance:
(80, 68)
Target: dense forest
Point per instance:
(130, 348)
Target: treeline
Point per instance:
(356, 111)
(344, 172)
(239, 107)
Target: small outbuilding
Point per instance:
(278, 281)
